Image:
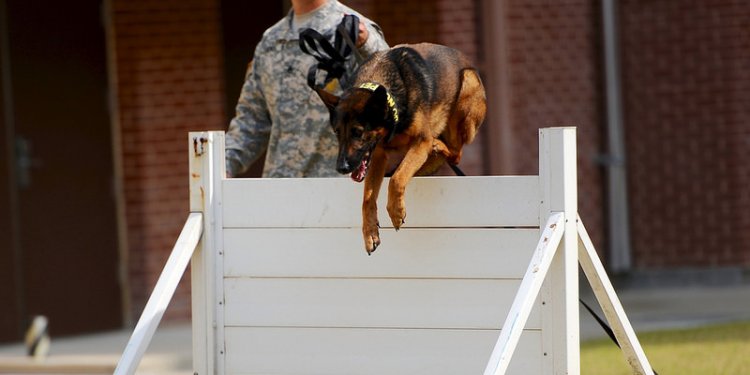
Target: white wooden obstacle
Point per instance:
(282, 285)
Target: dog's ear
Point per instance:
(377, 105)
(330, 100)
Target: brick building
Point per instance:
(144, 73)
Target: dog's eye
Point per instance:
(356, 132)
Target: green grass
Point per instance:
(713, 350)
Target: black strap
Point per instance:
(456, 170)
(348, 31)
(331, 58)
(602, 323)
(607, 329)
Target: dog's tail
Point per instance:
(472, 104)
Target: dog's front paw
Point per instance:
(397, 213)
(371, 236)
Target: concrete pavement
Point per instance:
(668, 308)
(170, 352)
(648, 309)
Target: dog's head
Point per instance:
(358, 118)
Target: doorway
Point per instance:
(58, 182)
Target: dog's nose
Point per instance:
(343, 167)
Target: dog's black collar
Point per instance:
(372, 86)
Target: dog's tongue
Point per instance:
(359, 174)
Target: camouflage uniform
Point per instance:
(277, 112)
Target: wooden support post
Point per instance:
(552, 234)
(558, 259)
(207, 168)
(160, 297)
(605, 294)
(558, 180)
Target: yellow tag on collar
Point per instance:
(372, 86)
(332, 86)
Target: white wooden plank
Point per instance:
(335, 351)
(336, 202)
(162, 294)
(557, 175)
(527, 293)
(200, 294)
(206, 150)
(201, 332)
(371, 303)
(610, 303)
(339, 252)
(214, 214)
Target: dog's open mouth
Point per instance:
(359, 174)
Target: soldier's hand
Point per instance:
(362, 35)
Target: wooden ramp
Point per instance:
(282, 285)
(58, 365)
(300, 292)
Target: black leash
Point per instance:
(331, 58)
(607, 329)
(456, 170)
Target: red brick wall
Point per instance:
(458, 26)
(555, 73)
(407, 21)
(168, 64)
(687, 106)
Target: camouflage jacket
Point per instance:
(277, 112)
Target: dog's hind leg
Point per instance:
(373, 181)
(467, 115)
(471, 106)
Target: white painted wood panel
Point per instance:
(335, 202)
(339, 252)
(371, 303)
(558, 179)
(333, 351)
(206, 164)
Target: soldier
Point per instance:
(277, 112)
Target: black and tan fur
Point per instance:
(440, 104)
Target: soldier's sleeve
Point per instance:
(375, 40)
(249, 130)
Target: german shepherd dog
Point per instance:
(412, 108)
